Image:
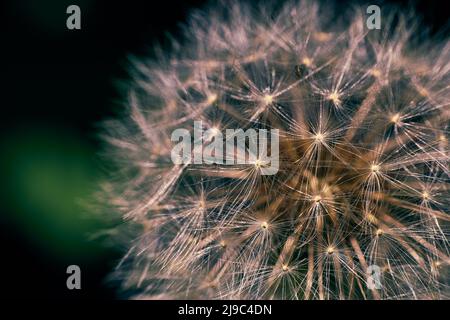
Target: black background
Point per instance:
(64, 79)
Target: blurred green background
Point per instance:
(49, 177)
(50, 174)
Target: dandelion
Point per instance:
(363, 174)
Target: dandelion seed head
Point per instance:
(363, 119)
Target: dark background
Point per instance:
(56, 86)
